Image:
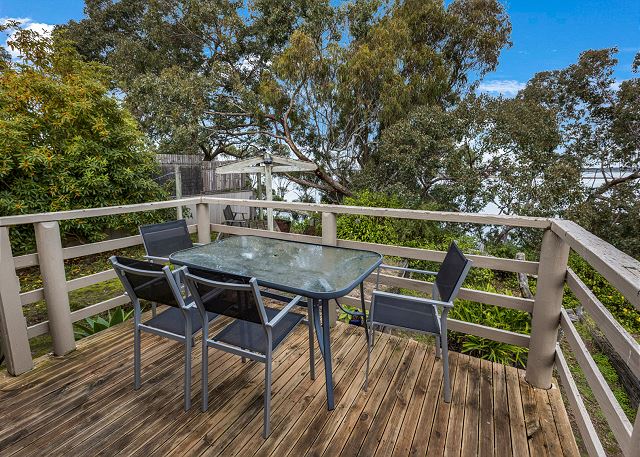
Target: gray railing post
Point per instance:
(204, 223)
(178, 176)
(54, 280)
(330, 238)
(13, 326)
(545, 322)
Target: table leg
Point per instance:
(317, 324)
(310, 322)
(328, 373)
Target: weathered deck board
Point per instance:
(84, 404)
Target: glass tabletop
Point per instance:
(311, 270)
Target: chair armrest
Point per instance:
(426, 301)
(284, 311)
(155, 259)
(410, 270)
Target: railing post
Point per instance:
(178, 176)
(204, 223)
(552, 270)
(13, 326)
(55, 286)
(330, 238)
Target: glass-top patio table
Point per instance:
(320, 273)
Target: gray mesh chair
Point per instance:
(421, 314)
(180, 322)
(162, 240)
(255, 332)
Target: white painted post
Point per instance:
(545, 322)
(330, 238)
(178, 190)
(204, 223)
(13, 326)
(269, 195)
(55, 286)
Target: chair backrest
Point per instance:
(228, 213)
(230, 295)
(161, 240)
(147, 281)
(452, 273)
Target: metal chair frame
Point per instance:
(187, 339)
(442, 349)
(267, 324)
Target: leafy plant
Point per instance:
(91, 326)
(67, 143)
(346, 317)
(506, 354)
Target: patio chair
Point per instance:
(256, 330)
(230, 217)
(421, 314)
(162, 240)
(157, 283)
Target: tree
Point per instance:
(304, 78)
(599, 124)
(66, 143)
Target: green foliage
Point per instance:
(621, 309)
(67, 143)
(93, 325)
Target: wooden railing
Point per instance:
(547, 314)
(623, 272)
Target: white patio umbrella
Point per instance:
(267, 165)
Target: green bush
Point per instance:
(67, 143)
(623, 311)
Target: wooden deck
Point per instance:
(84, 404)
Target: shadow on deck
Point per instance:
(84, 404)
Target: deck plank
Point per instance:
(84, 404)
(487, 429)
(471, 410)
(519, 443)
(414, 408)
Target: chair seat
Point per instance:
(401, 311)
(172, 320)
(251, 336)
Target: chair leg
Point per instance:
(267, 397)
(187, 369)
(369, 347)
(445, 369)
(243, 359)
(205, 367)
(438, 347)
(312, 355)
(136, 357)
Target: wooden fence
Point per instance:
(547, 314)
(198, 176)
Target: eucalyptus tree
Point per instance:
(306, 78)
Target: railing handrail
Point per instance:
(440, 216)
(620, 269)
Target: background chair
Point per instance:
(157, 283)
(256, 330)
(421, 314)
(231, 217)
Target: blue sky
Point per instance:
(547, 34)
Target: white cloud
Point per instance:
(27, 24)
(508, 87)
